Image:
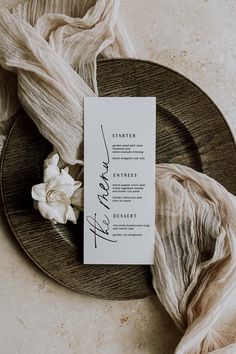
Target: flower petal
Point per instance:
(51, 170)
(68, 189)
(45, 210)
(62, 178)
(50, 173)
(78, 198)
(60, 214)
(77, 213)
(78, 184)
(52, 160)
(57, 213)
(68, 178)
(38, 192)
(70, 214)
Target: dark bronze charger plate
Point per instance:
(190, 131)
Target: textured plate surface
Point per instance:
(190, 131)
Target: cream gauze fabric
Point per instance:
(48, 52)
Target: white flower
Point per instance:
(53, 197)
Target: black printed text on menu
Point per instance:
(119, 180)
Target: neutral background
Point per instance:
(37, 315)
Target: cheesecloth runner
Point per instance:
(48, 51)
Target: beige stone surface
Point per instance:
(37, 315)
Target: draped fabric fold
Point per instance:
(55, 61)
(48, 52)
(194, 272)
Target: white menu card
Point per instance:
(119, 180)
